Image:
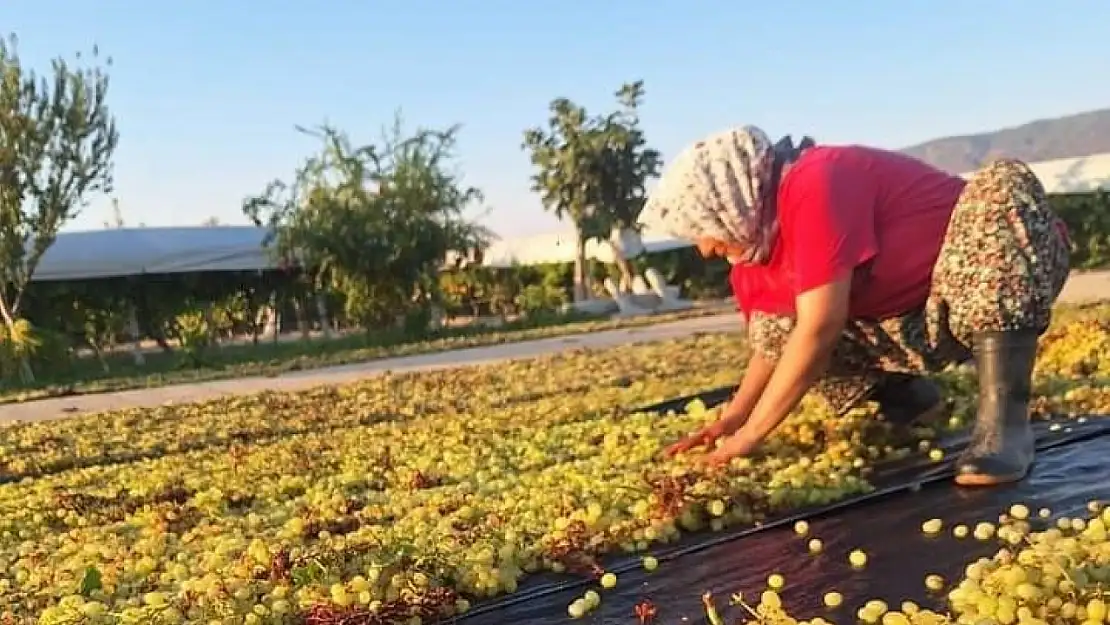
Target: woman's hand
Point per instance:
(736, 413)
(704, 437)
(736, 446)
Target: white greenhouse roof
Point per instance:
(558, 247)
(121, 252)
(117, 252)
(1073, 175)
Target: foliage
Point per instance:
(374, 222)
(625, 164)
(194, 334)
(558, 155)
(18, 343)
(1088, 218)
(593, 170)
(57, 138)
(66, 369)
(482, 290)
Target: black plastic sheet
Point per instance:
(1073, 460)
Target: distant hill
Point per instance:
(1072, 136)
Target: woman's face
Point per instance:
(709, 247)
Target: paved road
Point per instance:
(1081, 287)
(1088, 286)
(67, 406)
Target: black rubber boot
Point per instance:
(905, 400)
(1002, 444)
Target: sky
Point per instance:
(206, 93)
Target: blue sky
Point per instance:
(207, 92)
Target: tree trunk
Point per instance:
(581, 287)
(98, 353)
(623, 266)
(273, 325)
(322, 313)
(25, 372)
(275, 335)
(261, 321)
(135, 338)
(301, 312)
(146, 320)
(255, 325)
(26, 375)
(210, 322)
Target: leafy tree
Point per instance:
(593, 171)
(564, 183)
(374, 222)
(57, 139)
(625, 165)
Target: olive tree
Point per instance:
(592, 171)
(624, 166)
(57, 140)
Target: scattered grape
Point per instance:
(984, 531)
(932, 527)
(1053, 576)
(770, 599)
(592, 599)
(857, 559)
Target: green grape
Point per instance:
(432, 486)
(1053, 576)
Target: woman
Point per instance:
(859, 270)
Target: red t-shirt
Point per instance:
(878, 215)
(760, 288)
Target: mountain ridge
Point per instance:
(1069, 136)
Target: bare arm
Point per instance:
(736, 413)
(755, 380)
(822, 315)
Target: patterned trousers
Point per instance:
(1003, 263)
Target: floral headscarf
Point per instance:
(724, 187)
